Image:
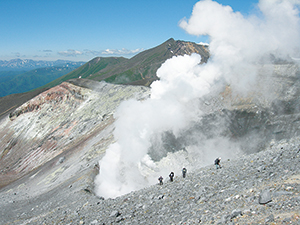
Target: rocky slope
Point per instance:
(261, 188)
(60, 122)
(50, 147)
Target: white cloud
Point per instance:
(111, 52)
(204, 44)
(70, 53)
(16, 54)
(107, 52)
(122, 51)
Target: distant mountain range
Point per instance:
(29, 64)
(138, 70)
(19, 76)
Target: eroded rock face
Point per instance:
(54, 97)
(57, 121)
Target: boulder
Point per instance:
(265, 197)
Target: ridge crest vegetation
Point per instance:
(138, 70)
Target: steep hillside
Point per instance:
(10, 102)
(260, 188)
(58, 121)
(89, 68)
(51, 146)
(141, 69)
(138, 70)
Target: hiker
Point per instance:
(171, 176)
(184, 170)
(217, 163)
(160, 180)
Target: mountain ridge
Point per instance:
(138, 70)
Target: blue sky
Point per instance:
(83, 29)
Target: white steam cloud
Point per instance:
(237, 45)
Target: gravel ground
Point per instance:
(261, 188)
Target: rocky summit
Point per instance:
(51, 145)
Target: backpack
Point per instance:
(217, 161)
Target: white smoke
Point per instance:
(237, 45)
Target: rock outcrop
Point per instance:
(59, 122)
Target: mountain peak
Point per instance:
(170, 40)
(138, 70)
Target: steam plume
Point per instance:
(237, 45)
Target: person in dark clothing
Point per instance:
(217, 163)
(171, 176)
(184, 170)
(160, 180)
